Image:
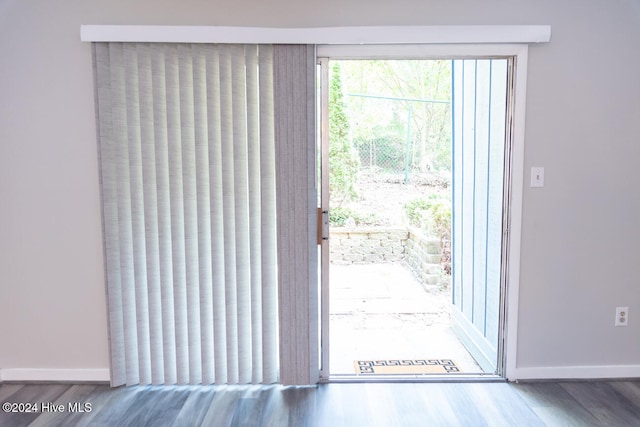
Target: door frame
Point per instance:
(324, 241)
(513, 177)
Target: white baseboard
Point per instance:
(54, 375)
(575, 372)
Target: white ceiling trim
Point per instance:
(439, 34)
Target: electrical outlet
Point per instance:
(622, 316)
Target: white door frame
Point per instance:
(324, 212)
(514, 175)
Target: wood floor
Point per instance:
(598, 403)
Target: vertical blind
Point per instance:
(295, 112)
(187, 160)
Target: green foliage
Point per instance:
(416, 210)
(432, 214)
(338, 217)
(379, 119)
(343, 160)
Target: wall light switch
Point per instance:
(537, 177)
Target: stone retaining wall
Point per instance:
(373, 245)
(367, 246)
(423, 255)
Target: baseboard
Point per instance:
(54, 375)
(575, 372)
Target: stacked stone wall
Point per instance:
(423, 254)
(369, 246)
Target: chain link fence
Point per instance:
(387, 154)
(398, 136)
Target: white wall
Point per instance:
(580, 237)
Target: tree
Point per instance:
(343, 160)
(414, 79)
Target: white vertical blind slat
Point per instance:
(161, 143)
(137, 210)
(253, 161)
(177, 202)
(149, 181)
(187, 132)
(286, 245)
(123, 201)
(204, 216)
(268, 216)
(228, 202)
(239, 117)
(108, 182)
(217, 216)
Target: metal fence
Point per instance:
(384, 153)
(393, 135)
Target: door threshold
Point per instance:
(429, 378)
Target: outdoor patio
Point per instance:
(380, 311)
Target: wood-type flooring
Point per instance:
(579, 403)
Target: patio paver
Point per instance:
(380, 311)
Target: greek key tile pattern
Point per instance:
(403, 366)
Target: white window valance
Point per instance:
(433, 34)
